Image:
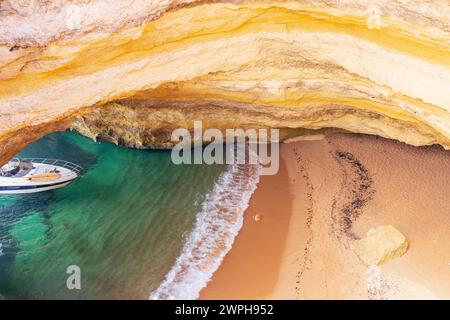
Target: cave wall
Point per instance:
(377, 67)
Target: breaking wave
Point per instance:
(215, 229)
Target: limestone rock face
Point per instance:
(143, 121)
(377, 67)
(380, 245)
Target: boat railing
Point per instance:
(56, 162)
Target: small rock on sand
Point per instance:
(257, 217)
(380, 245)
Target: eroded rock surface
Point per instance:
(378, 67)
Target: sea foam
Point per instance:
(215, 229)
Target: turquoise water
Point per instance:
(123, 223)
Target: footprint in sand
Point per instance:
(305, 260)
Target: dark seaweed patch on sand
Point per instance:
(355, 192)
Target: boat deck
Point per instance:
(34, 175)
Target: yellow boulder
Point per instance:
(380, 245)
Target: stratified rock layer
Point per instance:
(378, 67)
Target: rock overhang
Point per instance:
(374, 67)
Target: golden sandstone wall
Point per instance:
(378, 67)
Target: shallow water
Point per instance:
(124, 223)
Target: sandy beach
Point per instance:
(331, 190)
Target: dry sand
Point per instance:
(332, 190)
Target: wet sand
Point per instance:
(332, 190)
(256, 272)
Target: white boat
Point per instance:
(36, 175)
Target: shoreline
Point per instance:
(254, 275)
(299, 248)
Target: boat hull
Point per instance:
(33, 189)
